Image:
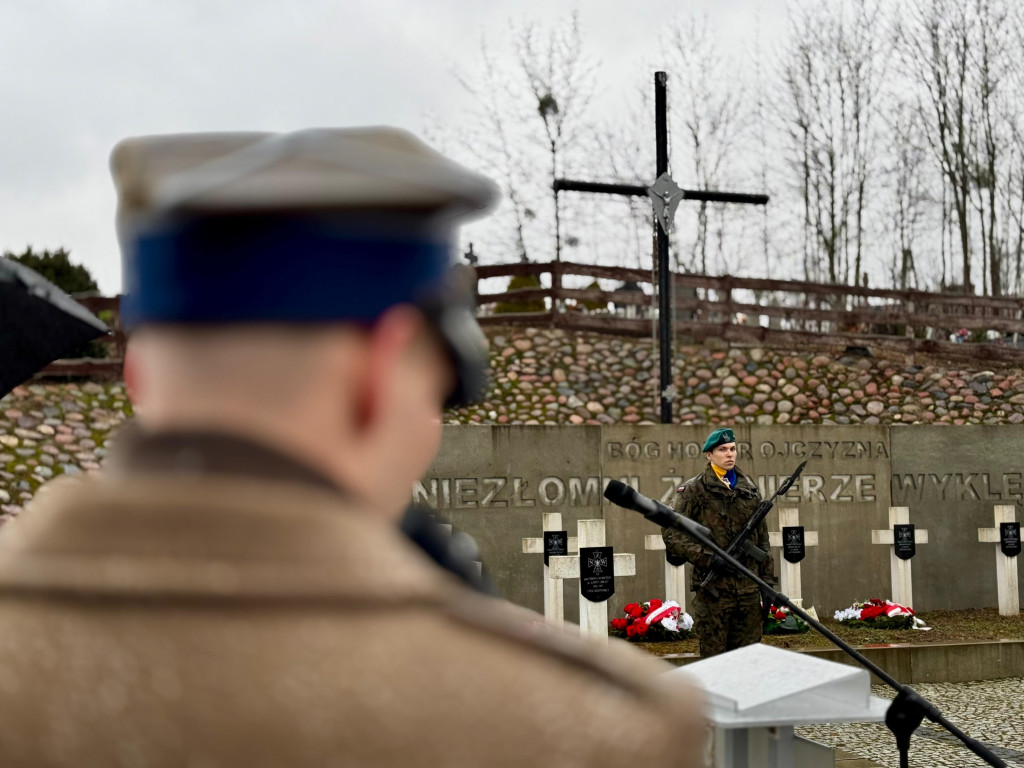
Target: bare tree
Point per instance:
(1012, 236)
(626, 149)
(794, 114)
(760, 126)
(863, 51)
(1013, 158)
(990, 138)
(908, 187)
(935, 47)
(831, 74)
(491, 137)
(707, 103)
(529, 92)
(560, 79)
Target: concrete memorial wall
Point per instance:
(494, 482)
(951, 479)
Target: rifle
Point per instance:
(741, 540)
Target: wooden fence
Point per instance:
(775, 313)
(785, 314)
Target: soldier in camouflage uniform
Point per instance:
(722, 499)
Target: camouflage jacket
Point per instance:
(724, 511)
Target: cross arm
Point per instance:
(710, 196)
(654, 542)
(988, 535)
(624, 190)
(885, 537)
(810, 538)
(535, 545)
(568, 566)
(639, 190)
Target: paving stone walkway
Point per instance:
(992, 711)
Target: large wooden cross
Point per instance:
(665, 196)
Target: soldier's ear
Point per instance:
(130, 376)
(385, 343)
(133, 374)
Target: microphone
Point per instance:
(622, 495)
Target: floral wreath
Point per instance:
(653, 621)
(880, 614)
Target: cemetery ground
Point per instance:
(946, 627)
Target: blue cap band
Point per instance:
(275, 268)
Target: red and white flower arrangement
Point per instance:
(880, 614)
(653, 621)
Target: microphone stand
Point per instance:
(907, 710)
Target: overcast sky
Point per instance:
(75, 77)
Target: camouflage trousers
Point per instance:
(728, 622)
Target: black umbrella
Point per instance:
(39, 323)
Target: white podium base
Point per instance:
(768, 747)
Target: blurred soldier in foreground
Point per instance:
(727, 613)
(234, 589)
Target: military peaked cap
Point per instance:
(319, 225)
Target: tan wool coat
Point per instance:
(160, 620)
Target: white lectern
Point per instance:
(758, 693)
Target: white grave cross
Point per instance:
(675, 575)
(1006, 567)
(902, 586)
(554, 596)
(789, 573)
(593, 616)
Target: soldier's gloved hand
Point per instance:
(722, 568)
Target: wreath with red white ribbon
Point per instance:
(880, 614)
(652, 622)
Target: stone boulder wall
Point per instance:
(48, 430)
(549, 376)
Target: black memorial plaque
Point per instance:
(1009, 539)
(793, 548)
(556, 544)
(597, 573)
(903, 541)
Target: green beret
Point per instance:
(718, 437)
